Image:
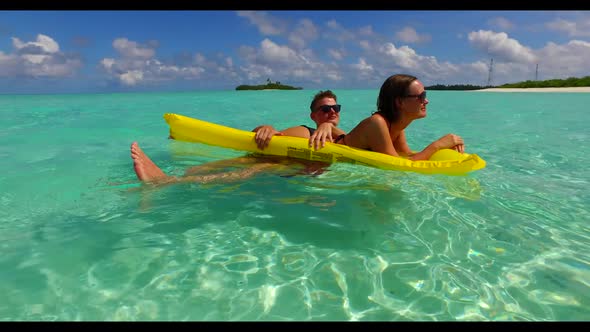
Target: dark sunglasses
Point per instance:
(421, 97)
(327, 108)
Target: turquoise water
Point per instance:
(82, 239)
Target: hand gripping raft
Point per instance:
(444, 161)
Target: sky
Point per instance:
(138, 51)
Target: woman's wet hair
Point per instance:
(395, 86)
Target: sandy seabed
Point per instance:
(573, 89)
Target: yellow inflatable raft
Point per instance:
(444, 161)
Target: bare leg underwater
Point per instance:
(148, 172)
(221, 164)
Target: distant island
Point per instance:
(459, 87)
(270, 85)
(553, 83)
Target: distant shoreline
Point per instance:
(570, 89)
(267, 86)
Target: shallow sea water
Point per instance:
(83, 239)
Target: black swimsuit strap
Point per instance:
(311, 130)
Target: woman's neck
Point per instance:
(401, 123)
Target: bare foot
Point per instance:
(145, 169)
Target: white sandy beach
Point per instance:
(573, 89)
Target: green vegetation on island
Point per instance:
(554, 83)
(270, 85)
(459, 87)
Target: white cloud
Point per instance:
(579, 28)
(298, 58)
(365, 45)
(299, 62)
(479, 68)
(333, 74)
(248, 53)
(501, 22)
(43, 44)
(381, 60)
(305, 32)
(571, 59)
(406, 59)
(107, 63)
(336, 54)
(475, 73)
(5, 58)
(332, 24)
(499, 46)
(513, 61)
(566, 60)
(337, 32)
(266, 24)
(302, 73)
(364, 69)
(255, 72)
(39, 58)
(131, 77)
(35, 58)
(200, 59)
(132, 49)
(137, 65)
(409, 35)
(404, 56)
(9, 65)
(274, 53)
(282, 63)
(366, 31)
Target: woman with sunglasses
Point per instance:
(325, 112)
(402, 99)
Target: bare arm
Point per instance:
(337, 131)
(401, 145)
(264, 134)
(297, 131)
(449, 141)
(427, 152)
(326, 132)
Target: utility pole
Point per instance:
(490, 72)
(537, 73)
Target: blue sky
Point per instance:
(125, 51)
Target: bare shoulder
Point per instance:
(377, 121)
(297, 131)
